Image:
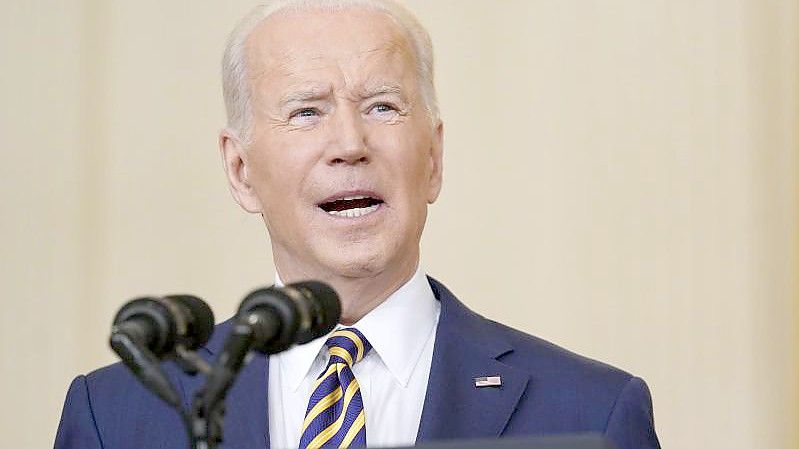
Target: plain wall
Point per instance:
(621, 178)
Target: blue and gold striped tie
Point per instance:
(335, 416)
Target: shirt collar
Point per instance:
(397, 329)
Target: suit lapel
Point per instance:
(465, 349)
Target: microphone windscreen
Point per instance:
(200, 319)
(327, 307)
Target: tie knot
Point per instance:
(347, 345)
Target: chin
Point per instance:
(360, 267)
(356, 264)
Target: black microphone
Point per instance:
(148, 329)
(304, 311)
(164, 323)
(271, 320)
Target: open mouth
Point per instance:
(351, 206)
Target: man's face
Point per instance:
(344, 159)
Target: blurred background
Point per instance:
(621, 178)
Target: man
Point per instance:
(334, 138)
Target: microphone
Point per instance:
(160, 325)
(304, 311)
(271, 320)
(148, 329)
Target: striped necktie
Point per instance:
(335, 416)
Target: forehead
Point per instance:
(352, 45)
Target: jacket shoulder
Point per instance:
(544, 359)
(535, 355)
(566, 391)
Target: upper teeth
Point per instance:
(359, 197)
(353, 213)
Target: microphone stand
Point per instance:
(204, 420)
(268, 321)
(208, 407)
(146, 367)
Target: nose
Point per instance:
(349, 143)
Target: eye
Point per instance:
(382, 108)
(305, 116)
(305, 112)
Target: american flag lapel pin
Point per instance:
(487, 381)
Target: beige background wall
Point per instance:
(622, 178)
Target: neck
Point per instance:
(359, 295)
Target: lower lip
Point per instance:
(367, 216)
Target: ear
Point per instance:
(436, 163)
(234, 159)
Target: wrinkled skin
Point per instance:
(337, 111)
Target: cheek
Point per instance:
(282, 165)
(411, 175)
(414, 161)
(275, 186)
(407, 146)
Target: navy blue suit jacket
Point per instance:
(545, 390)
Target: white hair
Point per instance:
(236, 88)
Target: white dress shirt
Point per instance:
(393, 376)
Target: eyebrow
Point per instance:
(374, 90)
(316, 93)
(304, 94)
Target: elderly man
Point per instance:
(334, 138)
